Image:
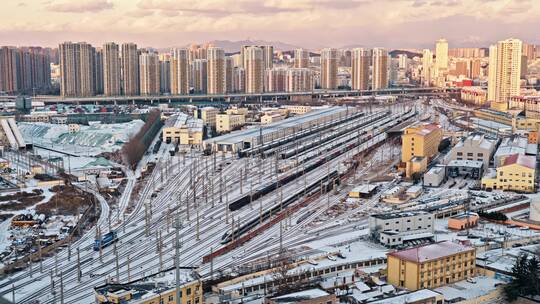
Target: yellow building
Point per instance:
(431, 266)
(421, 140)
(237, 111)
(183, 130)
(298, 110)
(208, 115)
(229, 122)
(149, 293)
(271, 117)
(417, 164)
(518, 173)
(419, 144)
(509, 118)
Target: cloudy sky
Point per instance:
(308, 23)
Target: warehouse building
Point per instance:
(252, 137)
(395, 229)
(476, 147)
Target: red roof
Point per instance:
(520, 159)
(431, 252)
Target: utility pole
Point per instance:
(128, 268)
(177, 226)
(197, 224)
(211, 264)
(280, 237)
(78, 265)
(61, 287)
(160, 250)
(40, 258)
(117, 264)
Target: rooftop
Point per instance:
(466, 163)
(477, 140)
(386, 216)
(468, 290)
(248, 134)
(520, 159)
(183, 120)
(364, 188)
(431, 252)
(301, 295)
(411, 297)
(422, 129)
(464, 215)
(435, 170)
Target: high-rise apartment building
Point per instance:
(427, 65)
(403, 61)
(379, 79)
(504, 72)
(149, 73)
(441, 55)
(111, 69)
(268, 56)
(8, 70)
(24, 70)
(199, 75)
(216, 70)
(276, 80)
(77, 65)
(98, 72)
(441, 61)
(239, 80)
(180, 71)
(229, 72)
(475, 68)
(254, 69)
(361, 61)
(329, 69)
(301, 58)
(299, 80)
(165, 73)
(130, 70)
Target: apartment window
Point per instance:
(480, 154)
(171, 298)
(469, 154)
(500, 173)
(460, 153)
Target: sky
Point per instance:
(307, 23)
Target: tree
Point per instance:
(526, 276)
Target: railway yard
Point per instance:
(236, 215)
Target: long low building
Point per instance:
(252, 137)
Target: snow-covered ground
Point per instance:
(5, 232)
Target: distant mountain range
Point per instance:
(234, 46)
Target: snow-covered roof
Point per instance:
(520, 159)
(301, 295)
(466, 163)
(412, 297)
(431, 252)
(467, 290)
